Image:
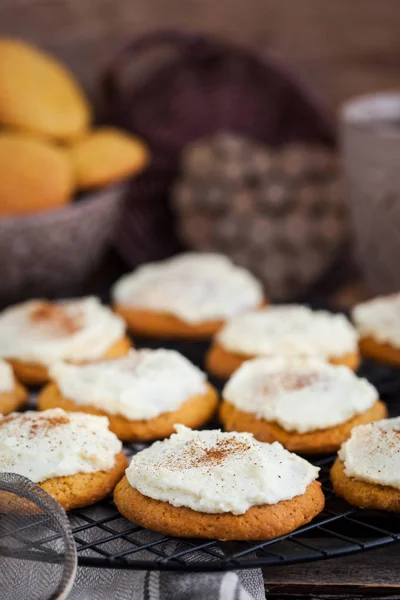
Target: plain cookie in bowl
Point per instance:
(307, 405)
(36, 334)
(13, 395)
(292, 331)
(39, 95)
(106, 155)
(366, 472)
(378, 324)
(227, 486)
(35, 175)
(188, 296)
(72, 456)
(143, 394)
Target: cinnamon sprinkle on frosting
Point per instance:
(216, 472)
(54, 443)
(44, 332)
(197, 455)
(299, 394)
(55, 315)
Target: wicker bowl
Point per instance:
(53, 252)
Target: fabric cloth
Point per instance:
(103, 584)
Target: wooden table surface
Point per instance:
(371, 574)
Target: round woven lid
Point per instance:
(171, 88)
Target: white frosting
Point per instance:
(7, 381)
(53, 443)
(140, 385)
(372, 453)
(194, 287)
(380, 319)
(300, 395)
(214, 472)
(290, 330)
(43, 332)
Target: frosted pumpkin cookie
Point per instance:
(13, 395)
(72, 456)
(143, 393)
(105, 156)
(38, 94)
(228, 486)
(307, 405)
(288, 331)
(367, 470)
(378, 323)
(188, 296)
(36, 334)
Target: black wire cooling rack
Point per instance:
(105, 539)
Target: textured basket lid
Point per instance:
(172, 88)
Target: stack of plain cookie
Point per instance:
(291, 387)
(48, 148)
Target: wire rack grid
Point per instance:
(105, 539)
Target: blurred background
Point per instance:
(218, 126)
(342, 48)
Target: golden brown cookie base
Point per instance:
(149, 323)
(362, 493)
(82, 489)
(72, 491)
(193, 413)
(258, 523)
(370, 348)
(13, 401)
(36, 374)
(316, 442)
(222, 363)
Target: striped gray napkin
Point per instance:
(95, 584)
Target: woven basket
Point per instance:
(370, 132)
(172, 88)
(50, 253)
